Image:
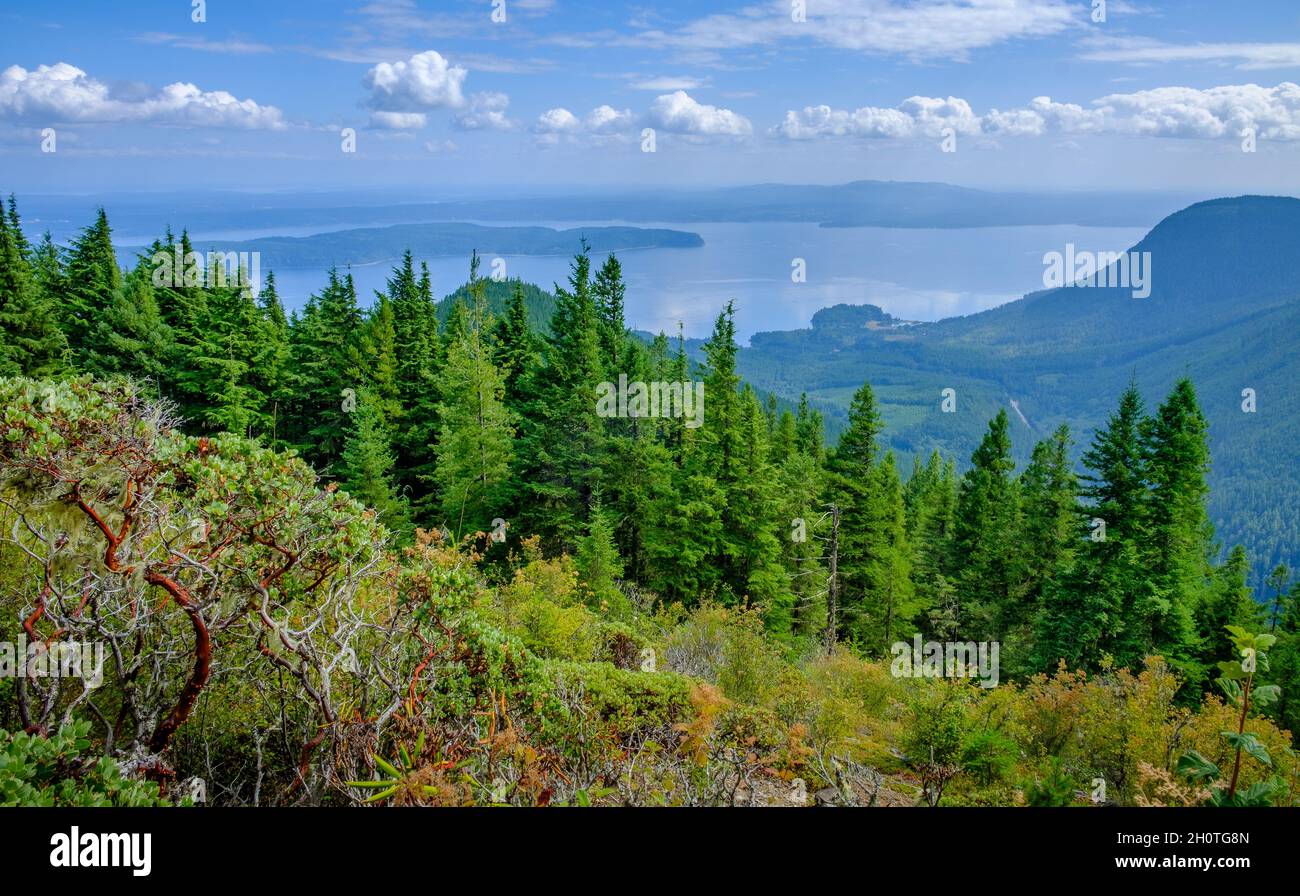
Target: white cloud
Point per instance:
(423, 82)
(228, 45)
(1245, 56)
(65, 93)
(1183, 112)
(601, 125)
(486, 112)
(557, 121)
(607, 120)
(915, 116)
(914, 28)
(823, 121)
(668, 83)
(397, 120)
(678, 113)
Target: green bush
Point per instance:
(51, 771)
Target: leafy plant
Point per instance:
(52, 771)
(1236, 682)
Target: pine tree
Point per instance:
(272, 358)
(515, 350)
(562, 457)
(609, 291)
(1177, 460)
(851, 484)
(888, 605)
(476, 444)
(931, 500)
(599, 565)
(984, 533)
(91, 280)
(380, 349)
(31, 341)
(1277, 581)
(809, 427)
(326, 351)
(129, 336)
(1103, 604)
(416, 344)
(1051, 529)
(1227, 601)
(366, 464)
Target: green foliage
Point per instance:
(55, 771)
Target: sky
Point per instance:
(480, 97)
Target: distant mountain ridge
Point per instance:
(863, 203)
(378, 244)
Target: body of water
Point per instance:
(915, 274)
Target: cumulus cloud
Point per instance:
(915, 116)
(425, 81)
(607, 120)
(1181, 112)
(601, 122)
(557, 121)
(486, 112)
(65, 93)
(678, 113)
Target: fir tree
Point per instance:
(476, 445)
(984, 533)
(31, 341)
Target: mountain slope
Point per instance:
(1224, 309)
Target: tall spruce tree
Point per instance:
(563, 446)
(1179, 534)
(984, 536)
(31, 341)
(476, 444)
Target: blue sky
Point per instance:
(445, 98)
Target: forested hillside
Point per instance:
(398, 555)
(1223, 311)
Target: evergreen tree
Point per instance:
(599, 565)
(417, 349)
(272, 362)
(609, 291)
(515, 350)
(91, 280)
(31, 341)
(1227, 601)
(326, 351)
(852, 487)
(563, 451)
(477, 439)
(931, 500)
(366, 464)
(1051, 528)
(129, 336)
(1179, 535)
(984, 537)
(1102, 604)
(888, 607)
